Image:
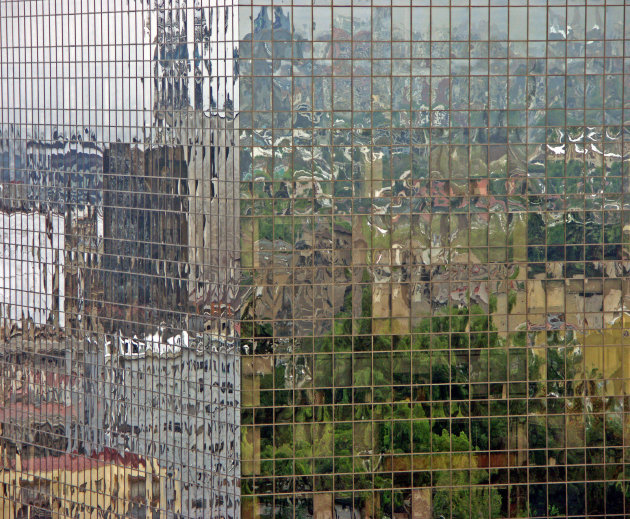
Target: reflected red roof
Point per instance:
(19, 411)
(77, 462)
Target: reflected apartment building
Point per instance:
(328, 259)
(120, 380)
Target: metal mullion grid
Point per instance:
(234, 212)
(221, 409)
(30, 126)
(388, 183)
(148, 390)
(275, 405)
(605, 347)
(507, 126)
(249, 359)
(176, 183)
(329, 222)
(115, 370)
(198, 246)
(412, 360)
(165, 176)
(232, 209)
(624, 353)
(546, 211)
(565, 298)
(314, 354)
(370, 240)
(109, 136)
(122, 129)
(446, 243)
(45, 113)
(193, 133)
(163, 145)
(14, 293)
(510, 75)
(3, 119)
(134, 409)
(545, 375)
(409, 321)
(69, 356)
(4, 55)
(584, 212)
(29, 307)
(468, 195)
(430, 184)
(81, 344)
(292, 267)
(102, 131)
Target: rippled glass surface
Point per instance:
(435, 259)
(120, 386)
(328, 259)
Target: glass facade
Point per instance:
(119, 394)
(434, 249)
(328, 259)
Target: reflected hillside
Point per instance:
(434, 260)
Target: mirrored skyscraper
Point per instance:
(329, 259)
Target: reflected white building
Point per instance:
(118, 169)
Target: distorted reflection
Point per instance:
(434, 260)
(119, 270)
(313, 259)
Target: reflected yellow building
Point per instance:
(604, 355)
(81, 487)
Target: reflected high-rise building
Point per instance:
(119, 284)
(329, 259)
